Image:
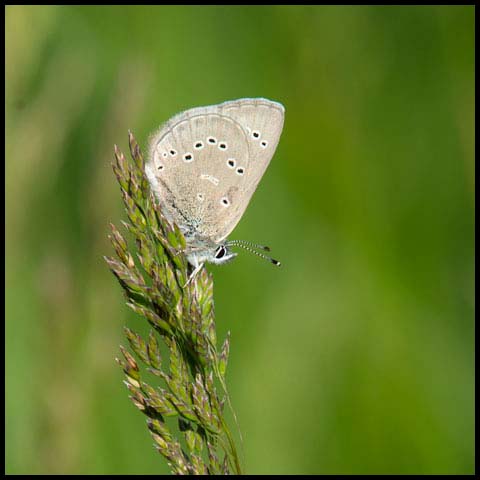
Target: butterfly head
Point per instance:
(221, 254)
(217, 254)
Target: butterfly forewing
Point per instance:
(263, 122)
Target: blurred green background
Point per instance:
(357, 356)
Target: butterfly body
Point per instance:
(205, 164)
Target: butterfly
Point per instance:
(204, 165)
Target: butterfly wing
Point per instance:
(263, 121)
(205, 163)
(197, 170)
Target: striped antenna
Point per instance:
(245, 245)
(250, 244)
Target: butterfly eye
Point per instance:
(220, 252)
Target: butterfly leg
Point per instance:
(194, 273)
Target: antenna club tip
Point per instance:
(276, 262)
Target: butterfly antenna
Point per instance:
(251, 250)
(250, 244)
